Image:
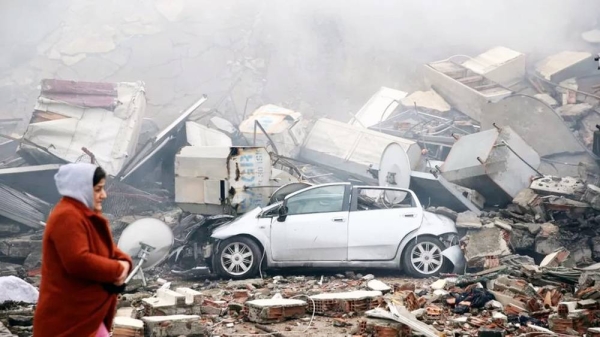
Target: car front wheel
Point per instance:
(423, 257)
(238, 258)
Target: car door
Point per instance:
(379, 219)
(316, 225)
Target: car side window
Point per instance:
(374, 198)
(323, 199)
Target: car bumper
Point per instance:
(456, 256)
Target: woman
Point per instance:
(82, 268)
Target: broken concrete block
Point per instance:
(473, 196)
(192, 297)
(426, 100)
(377, 285)
(174, 326)
(555, 258)
(581, 252)
(503, 225)
(10, 269)
(561, 186)
(211, 307)
(559, 67)
(522, 240)
(573, 113)
(468, 220)
(596, 248)
(485, 243)
(168, 302)
(275, 310)
(19, 248)
(524, 198)
(546, 241)
(384, 327)
(353, 301)
(592, 196)
(128, 327)
(439, 284)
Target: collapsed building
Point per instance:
(474, 147)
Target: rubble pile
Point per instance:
(512, 299)
(474, 148)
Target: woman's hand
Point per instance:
(124, 274)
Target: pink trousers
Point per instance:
(103, 331)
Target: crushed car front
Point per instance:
(445, 230)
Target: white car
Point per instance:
(339, 226)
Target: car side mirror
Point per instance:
(282, 213)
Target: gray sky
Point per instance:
(319, 57)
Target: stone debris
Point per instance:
(275, 310)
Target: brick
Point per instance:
(174, 326)
(354, 301)
(275, 310)
(211, 307)
(385, 328)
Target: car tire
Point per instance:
(423, 257)
(237, 258)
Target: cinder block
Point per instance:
(275, 310)
(353, 301)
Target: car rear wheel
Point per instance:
(423, 257)
(238, 258)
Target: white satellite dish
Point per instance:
(394, 171)
(148, 241)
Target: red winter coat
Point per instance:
(78, 257)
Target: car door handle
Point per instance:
(337, 219)
(409, 215)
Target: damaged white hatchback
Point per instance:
(339, 226)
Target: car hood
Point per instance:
(432, 219)
(246, 219)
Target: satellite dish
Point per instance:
(394, 171)
(148, 242)
(285, 190)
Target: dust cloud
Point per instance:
(323, 58)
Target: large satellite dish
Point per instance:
(394, 171)
(148, 242)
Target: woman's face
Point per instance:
(99, 195)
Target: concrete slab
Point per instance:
(564, 65)
(427, 100)
(497, 163)
(483, 243)
(532, 120)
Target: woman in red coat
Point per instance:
(82, 268)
